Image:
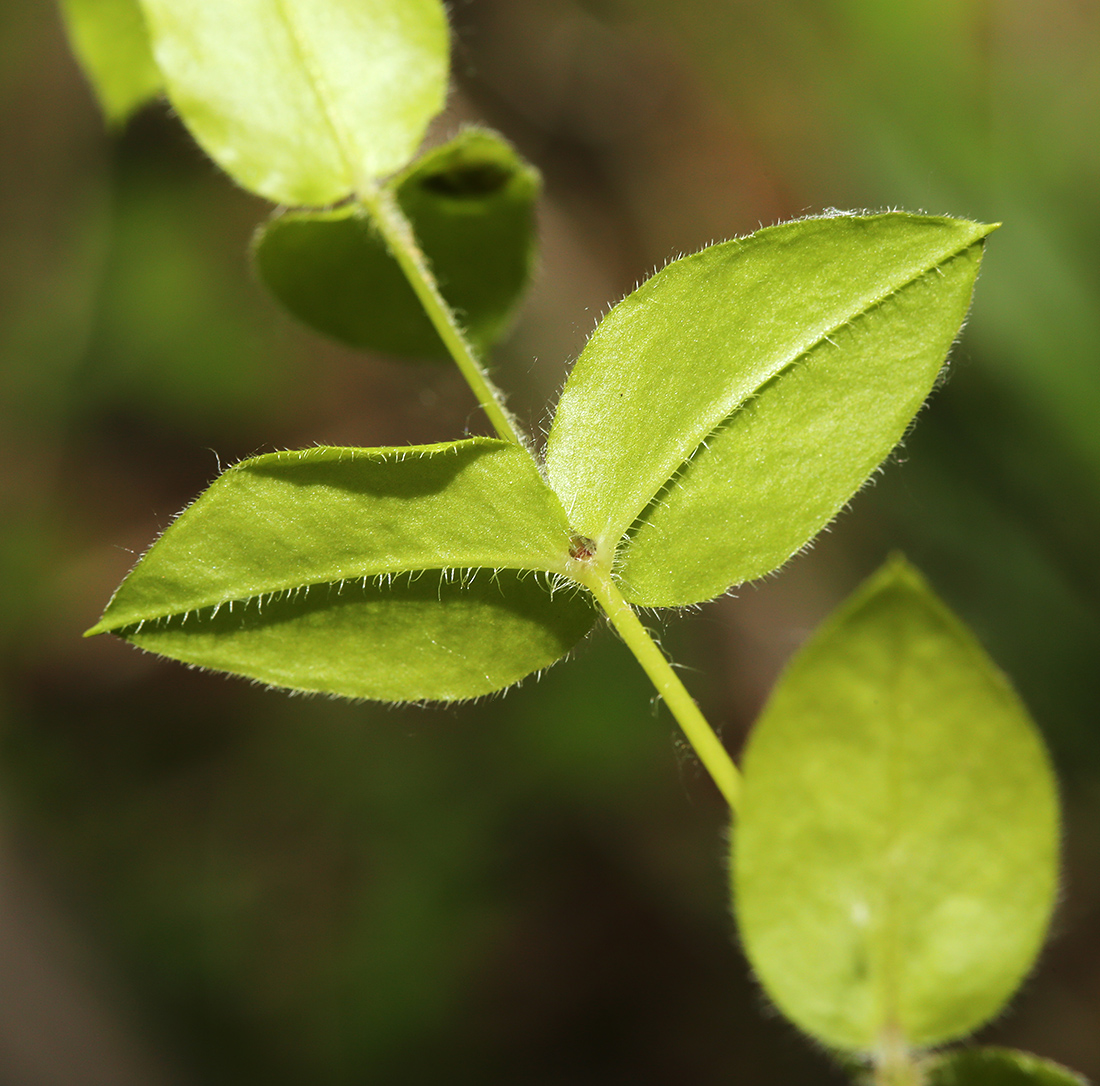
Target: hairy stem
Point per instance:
(708, 747)
(398, 234)
(401, 240)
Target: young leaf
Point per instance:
(303, 102)
(111, 41)
(895, 857)
(996, 1067)
(471, 204)
(289, 569)
(730, 406)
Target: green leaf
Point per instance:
(279, 522)
(996, 1067)
(379, 573)
(419, 639)
(895, 858)
(729, 407)
(299, 101)
(471, 203)
(111, 41)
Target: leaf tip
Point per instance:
(896, 572)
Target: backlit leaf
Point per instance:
(111, 41)
(895, 856)
(403, 574)
(299, 101)
(424, 638)
(730, 406)
(471, 204)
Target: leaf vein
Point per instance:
(673, 480)
(320, 89)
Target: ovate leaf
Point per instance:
(730, 406)
(111, 41)
(996, 1067)
(471, 204)
(895, 857)
(404, 573)
(300, 101)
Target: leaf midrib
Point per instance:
(320, 90)
(887, 994)
(621, 530)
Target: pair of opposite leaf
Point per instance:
(717, 419)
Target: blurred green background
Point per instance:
(204, 882)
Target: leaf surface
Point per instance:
(996, 1067)
(401, 574)
(471, 205)
(110, 39)
(283, 521)
(424, 638)
(895, 858)
(299, 101)
(738, 398)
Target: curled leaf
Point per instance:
(398, 574)
(471, 204)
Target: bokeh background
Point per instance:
(204, 882)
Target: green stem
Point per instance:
(398, 234)
(708, 747)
